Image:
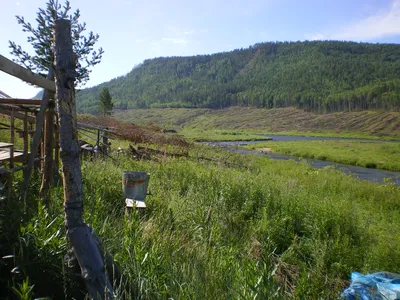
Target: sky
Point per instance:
(134, 30)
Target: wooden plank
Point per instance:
(5, 145)
(18, 101)
(5, 156)
(6, 111)
(87, 128)
(16, 70)
(88, 136)
(9, 107)
(4, 95)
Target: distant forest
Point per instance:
(319, 76)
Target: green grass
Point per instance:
(5, 133)
(360, 124)
(236, 227)
(331, 134)
(221, 135)
(381, 155)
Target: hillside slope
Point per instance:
(316, 76)
(374, 123)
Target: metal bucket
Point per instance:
(134, 185)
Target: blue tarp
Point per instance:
(376, 286)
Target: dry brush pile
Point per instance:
(149, 134)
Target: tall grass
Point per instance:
(381, 155)
(232, 228)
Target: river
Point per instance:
(373, 175)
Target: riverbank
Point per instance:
(382, 155)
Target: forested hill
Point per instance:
(316, 76)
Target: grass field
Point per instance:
(218, 226)
(199, 135)
(381, 155)
(362, 124)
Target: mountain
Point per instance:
(321, 76)
(39, 95)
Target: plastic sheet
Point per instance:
(376, 286)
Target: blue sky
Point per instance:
(134, 30)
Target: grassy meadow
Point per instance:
(365, 124)
(218, 226)
(381, 155)
(227, 135)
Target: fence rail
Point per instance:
(16, 70)
(16, 101)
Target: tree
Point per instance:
(105, 102)
(41, 37)
(85, 244)
(42, 40)
(62, 51)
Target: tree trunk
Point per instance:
(80, 235)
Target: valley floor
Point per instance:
(365, 124)
(218, 225)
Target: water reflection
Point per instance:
(374, 175)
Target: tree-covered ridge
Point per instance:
(317, 76)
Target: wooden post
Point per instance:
(36, 140)
(80, 235)
(57, 147)
(26, 142)
(12, 139)
(41, 150)
(11, 175)
(25, 138)
(48, 168)
(98, 146)
(105, 141)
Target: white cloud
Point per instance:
(178, 41)
(376, 26)
(174, 37)
(379, 25)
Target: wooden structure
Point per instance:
(43, 139)
(32, 112)
(99, 137)
(48, 126)
(20, 110)
(40, 132)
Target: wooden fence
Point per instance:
(39, 122)
(32, 112)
